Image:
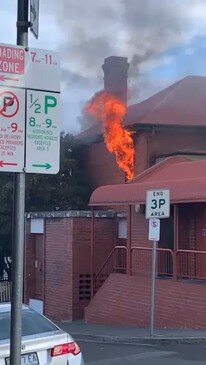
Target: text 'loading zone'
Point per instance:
(158, 203)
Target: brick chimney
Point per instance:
(115, 76)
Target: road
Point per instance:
(107, 354)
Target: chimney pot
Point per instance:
(115, 76)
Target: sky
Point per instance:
(164, 41)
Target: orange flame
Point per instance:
(110, 111)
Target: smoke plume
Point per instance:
(141, 30)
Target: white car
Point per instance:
(43, 343)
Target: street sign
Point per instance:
(12, 59)
(29, 94)
(12, 129)
(158, 203)
(9, 104)
(154, 229)
(34, 17)
(42, 132)
(24, 67)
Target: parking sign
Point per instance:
(158, 203)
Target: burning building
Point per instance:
(168, 133)
(158, 143)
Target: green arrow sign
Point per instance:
(46, 166)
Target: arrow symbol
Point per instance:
(2, 164)
(45, 166)
(3, 78)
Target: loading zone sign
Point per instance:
(158, 203)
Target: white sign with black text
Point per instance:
(154, 229)
(158, 203)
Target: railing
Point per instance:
(141, 261)
(5, 291)
(185, 264)
(191, 264)
(116, 262)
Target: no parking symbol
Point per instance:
(9, 104)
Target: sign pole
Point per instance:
(157, 208)
(153, 277)
(18, 222)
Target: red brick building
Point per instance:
(110, 256)
(58, 259)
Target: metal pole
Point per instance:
(18, 221)
(129, 240)
(152, 309)
(92, 252)
(176, 237)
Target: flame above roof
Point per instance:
(180, 104)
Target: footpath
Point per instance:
(82, 331)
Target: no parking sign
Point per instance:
(12, 129)
(9, 104)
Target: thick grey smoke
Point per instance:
(142, 30)
(92, 30)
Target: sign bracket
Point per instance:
(23, 23)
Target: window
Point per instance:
(32, 323)
(122, 228)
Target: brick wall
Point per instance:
(103, 244)
(139, 229)
(58, 268)
(100, 166)
(175, 139)
(125, 300)
(29, 277)
(141, 152)
(187, 231)
(67, 263)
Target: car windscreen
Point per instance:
(32, 323)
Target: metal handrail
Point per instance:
(98, 280)
(169, 251)
(187, 268)
(108, 258)
(191, 251)
(150, 249)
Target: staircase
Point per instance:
(116, 262)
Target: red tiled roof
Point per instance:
(182, 103)
(186, 180)
(137, 112)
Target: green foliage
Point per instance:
(6, 194)
(65, 191)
